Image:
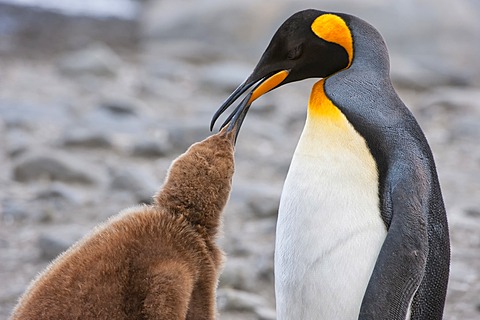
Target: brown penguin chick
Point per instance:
(149, 262)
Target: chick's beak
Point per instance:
(260, 86)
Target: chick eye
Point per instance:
(295, 53)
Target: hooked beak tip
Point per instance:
(264, 85)
(231, 99)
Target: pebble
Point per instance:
(451, 101)
(225, 76)
(151, 148)
(262, 200)
(119, 108)
(264, 205)
(87, 139)
(473, 212)
(57, 166)
(97, 60)
(414, 75)
(17, 142)
(237, 300)
(13, 211)
(28, 115)
(104, 120)
(238, 274)
(187, 132)
(266, 313)
(59, 192)
(135, 182)
(58, 240)
(466, 129)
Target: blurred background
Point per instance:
(98, 96)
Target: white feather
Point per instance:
(329, 229)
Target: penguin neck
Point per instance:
(320, 107)
(325, 123)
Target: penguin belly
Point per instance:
(329, 228)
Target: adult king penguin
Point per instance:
(362, 231)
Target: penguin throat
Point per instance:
(320, 106)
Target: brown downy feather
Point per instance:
(148, 262)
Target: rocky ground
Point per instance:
(91, 117)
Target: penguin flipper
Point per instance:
(401, 262)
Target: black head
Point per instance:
(309, 44)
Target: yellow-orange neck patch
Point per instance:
(321, 106)
(332, 28)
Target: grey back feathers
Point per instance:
(416, 253)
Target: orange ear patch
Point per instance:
(332, 28)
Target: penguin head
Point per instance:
(309, 44)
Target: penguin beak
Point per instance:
(261, 85)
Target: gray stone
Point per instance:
(119, 108)
(451, 102)
(238, 274)
(261, 199)
(264, 262)
(452, 113)
(97, 59)
(135, 182)
(414, 75)
(264, 205)
(473, 212)
(58, 192)
(236, 300)
(87, 139)
(466, 129)
(103, 121)
(234, 244)
(225, 76)
(13, 211)
(265, 313)
(58, 240)
(150, 149)
(25, 115)
(17, 141)
(168, 68)
(52, 165)
(184, 134)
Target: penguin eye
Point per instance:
(295, 53)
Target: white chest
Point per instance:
(329, 229)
